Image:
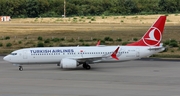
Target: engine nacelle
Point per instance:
(68, 63)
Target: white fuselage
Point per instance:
(51, 55)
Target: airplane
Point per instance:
(72, 57)
(98, 43)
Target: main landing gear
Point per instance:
(86, 66)
(20, 68)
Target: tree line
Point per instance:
(55, 8)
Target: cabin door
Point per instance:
(25, 54)
(137, 52)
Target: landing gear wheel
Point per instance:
(86, 66)
(20, 68)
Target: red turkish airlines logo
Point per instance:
(152, 37)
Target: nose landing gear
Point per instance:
(20, 68)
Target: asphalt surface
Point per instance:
(146, 77)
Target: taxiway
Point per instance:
(147, 77)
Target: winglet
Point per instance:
(114, 54)
(98, 43)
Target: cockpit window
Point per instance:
(13, 53)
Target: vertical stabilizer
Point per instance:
(153, 36)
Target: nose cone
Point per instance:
(6, 58)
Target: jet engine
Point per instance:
(68, 63)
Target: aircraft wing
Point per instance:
(97, 58)
(90, 60)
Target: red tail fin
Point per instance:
(153, 36)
